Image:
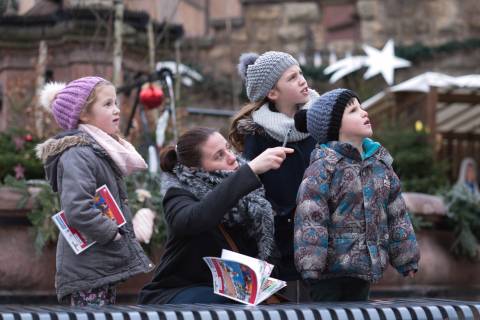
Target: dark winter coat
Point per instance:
(76, 166)
(281, 186)
(193, 234)
(351, 219)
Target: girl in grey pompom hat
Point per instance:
(276, 89)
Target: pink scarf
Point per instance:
(123, 154)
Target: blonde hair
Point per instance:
(236, 139)
(87, 108)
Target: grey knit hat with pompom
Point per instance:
(262, 72)
(324, 118)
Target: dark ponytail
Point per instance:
(168, 158)
(188, 150)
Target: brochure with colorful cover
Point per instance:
(105, 202)
(243, 278)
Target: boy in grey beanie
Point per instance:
(351, 220)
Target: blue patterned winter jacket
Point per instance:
(351, 220)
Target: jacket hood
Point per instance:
(51, 150)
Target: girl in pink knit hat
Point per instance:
(88, 155)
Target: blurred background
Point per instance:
(415, 65)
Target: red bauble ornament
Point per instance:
(28, 137)
(151, 97)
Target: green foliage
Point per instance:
(3, 5)
(418, 52)
(316, 73)
(44, 230)
(414, 156)
(46, 205)
(417, 221)
(9, 157)
(151, 183)
(463, 209)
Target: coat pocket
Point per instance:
(117, 254)
(343, 252)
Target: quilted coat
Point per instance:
(351, 219)
(76, 165)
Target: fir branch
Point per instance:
(463, 208)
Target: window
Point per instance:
(340, 22)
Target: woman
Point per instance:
(204, 183)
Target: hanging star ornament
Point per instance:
(19, 170)
(384, 62)
(19, 142)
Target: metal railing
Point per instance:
(421, 309)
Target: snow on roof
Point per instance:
(423, 82)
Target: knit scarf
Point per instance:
(122, 153)
(253, 213)
(276, 124)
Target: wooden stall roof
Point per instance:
(457, 101)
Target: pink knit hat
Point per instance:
(67, 101)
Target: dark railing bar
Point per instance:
(212, 112)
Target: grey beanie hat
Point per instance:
(262, 72)
(324, 118)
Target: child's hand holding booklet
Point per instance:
(103, 201)
(243, 278)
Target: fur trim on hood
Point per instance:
(53, 146)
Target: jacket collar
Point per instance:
(347, 150)
(64, 141)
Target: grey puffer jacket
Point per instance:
(76, 166)
(351, 220)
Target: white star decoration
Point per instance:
(377, 61)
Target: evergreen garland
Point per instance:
(9, 157)
(46, 205)
(414, 53)
(418, 52)
(315, 73)
(417, 221)
(463, 209)
(44, 230)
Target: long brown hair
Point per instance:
(188, 151)
(236, 139)
(87, 108)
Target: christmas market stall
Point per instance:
(447, 108)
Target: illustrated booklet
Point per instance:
(105, 202)
(243, 278)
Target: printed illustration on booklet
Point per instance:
(242, 278)
(80, 241)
